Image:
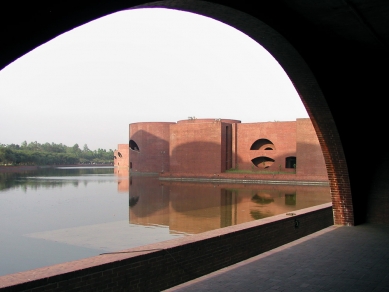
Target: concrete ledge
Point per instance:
(163, 265)
(247, 181)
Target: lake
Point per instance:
(52, 216)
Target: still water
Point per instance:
(57, 215)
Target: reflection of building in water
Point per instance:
(123, 179)
(148, 201)
(195, 208)
(212, 146)
(121, 170)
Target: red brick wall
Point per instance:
(281, 134)
(121, 156)
(153, 142)
(212, 146)
(310, 159)
(195, 147)
(207, 121)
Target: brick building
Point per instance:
(121, 157)
(212, 146)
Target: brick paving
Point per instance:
(337, 258)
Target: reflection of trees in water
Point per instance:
(261, 199)
(35, 180)
(133, 201)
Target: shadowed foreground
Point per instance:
(333, 259)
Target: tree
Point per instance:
(76, 148)
(6, 156)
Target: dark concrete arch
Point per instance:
(332, 51)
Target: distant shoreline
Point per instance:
(22, 168)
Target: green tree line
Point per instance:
(34, 153)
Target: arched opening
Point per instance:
(298, 72)
(307, 87)
(134, 146)
(262, 199)
(262, 144)
(262, 162)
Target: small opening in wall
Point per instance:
(290, 162)
(134, 146)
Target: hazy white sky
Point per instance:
(86, 85)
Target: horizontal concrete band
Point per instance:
(246, 181)
(159, 266)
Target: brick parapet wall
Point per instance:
(162, 265)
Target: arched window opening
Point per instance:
(262, 199)
(134, 146)
(262, 144)
(290, 162)
(133, 201)
(262, 162)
